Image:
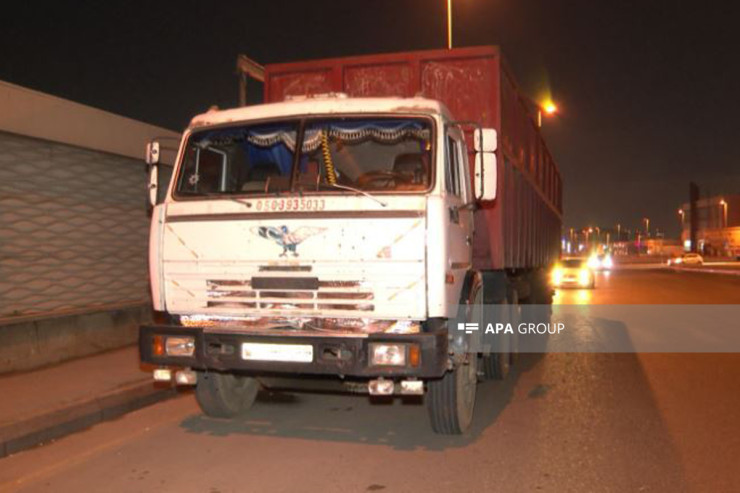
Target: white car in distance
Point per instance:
(687, 259)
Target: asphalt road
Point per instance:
(562, 422)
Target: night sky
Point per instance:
(649, 91)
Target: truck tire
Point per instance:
(451, 399)
(225, 395)
(497, 364)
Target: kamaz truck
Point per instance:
(341, 230)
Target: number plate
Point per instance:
(295, 353)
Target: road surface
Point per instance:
(563, 422)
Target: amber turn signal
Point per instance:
(157, 345)
(414, 355)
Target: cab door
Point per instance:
(458, 194)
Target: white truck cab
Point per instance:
(324, 235)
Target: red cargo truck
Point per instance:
(354, 228)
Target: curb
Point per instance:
(79, 415)
(727, 272)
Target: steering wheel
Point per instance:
(383, 175)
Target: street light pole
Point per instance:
(449, 24)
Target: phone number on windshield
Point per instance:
(291, 205)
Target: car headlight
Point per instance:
(593, 262)
(179, 346)
(557, 276)
(584, 277)
(608, 262)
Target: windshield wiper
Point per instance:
(353, 189)
(219, 195)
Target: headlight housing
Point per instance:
(384, 354)
(394, 354)
(179, 345)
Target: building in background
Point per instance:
(74, 235)
(718, 226)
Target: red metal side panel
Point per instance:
(300, 84)
(465, 79)
(391, 80)
(466, 85)
(521, 228)
(522, 145)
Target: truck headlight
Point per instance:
(385, 354)
(179, 346)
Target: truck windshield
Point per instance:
(364, 154)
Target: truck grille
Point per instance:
(299, 293)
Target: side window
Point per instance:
(453, 168)
(457, 173)
(464, 170)
(204, 171)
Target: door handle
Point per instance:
(468, 240)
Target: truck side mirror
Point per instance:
(152, 153)
(485, 175)
(485, 142)
(153, 178)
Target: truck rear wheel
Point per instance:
(497, 364)
(225, 395)
(451, 400)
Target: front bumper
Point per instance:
(343, 356)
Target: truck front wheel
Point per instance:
(451, 400)
(225, 395)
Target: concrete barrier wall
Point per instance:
(32, 344)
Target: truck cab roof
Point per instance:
(321, 105)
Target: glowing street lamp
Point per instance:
(723, 203)
(449, 24)
(548, 108)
